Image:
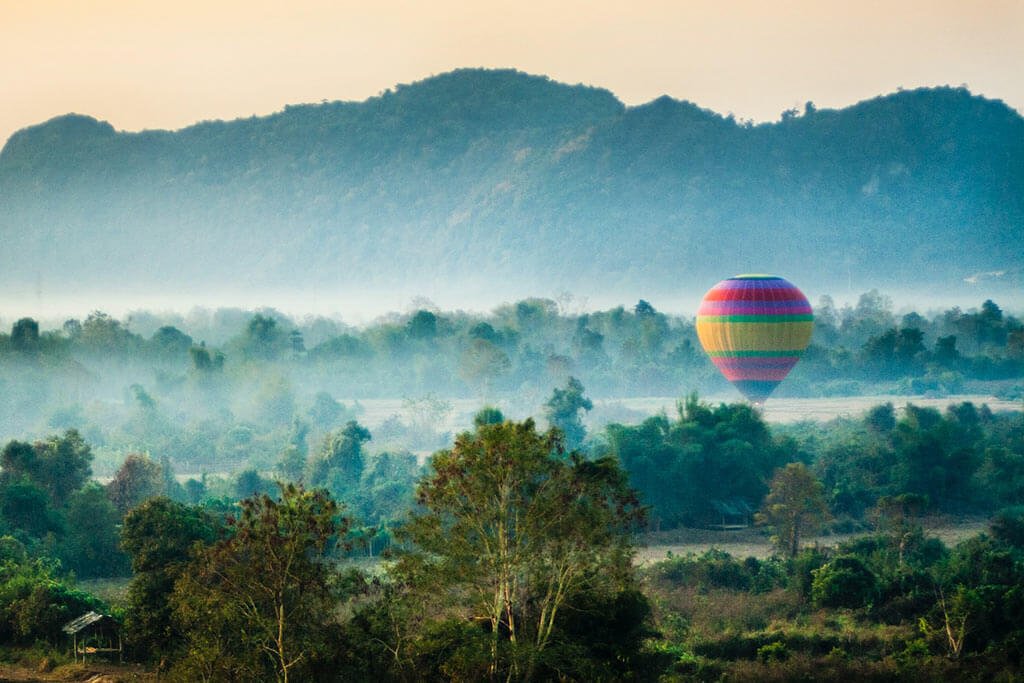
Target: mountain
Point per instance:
(492, 183)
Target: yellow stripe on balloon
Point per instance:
(735, 336)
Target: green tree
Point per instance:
(422, 325)
(843, 582)
(170, 343)
(488, 415)
(250, 483)
(91, 548)
(794, 507)
(158, 536)
(34, 601)
(709, 455)
(511, 528)
(26, 510)
(562, 410)
(340, 464)
(292, 465)
(25, 335)
(262, 601)
(60, 465)
(263, 339)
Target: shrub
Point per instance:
(843, 582)
(773, 652)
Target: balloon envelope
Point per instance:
(754, 328)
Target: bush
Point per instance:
(1008, 526)
(718, 569)
(843, 582)
(773, 652)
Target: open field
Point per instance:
(754, 542)
(776, 410)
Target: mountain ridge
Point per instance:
(499, 180)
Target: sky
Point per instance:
(144, 64)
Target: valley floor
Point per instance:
(754, 542)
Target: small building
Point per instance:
(94, 634)
(734, 514)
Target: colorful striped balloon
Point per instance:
(755, 327)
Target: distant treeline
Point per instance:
(266, 380)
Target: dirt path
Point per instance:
(77, 673)
(755, 543)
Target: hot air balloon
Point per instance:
(754, 328)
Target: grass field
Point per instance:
(776, 410)
(754, 542)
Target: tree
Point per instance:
(897, 516)
(91, 548)
(138, 479)
(292, 465)
(170, 342)
(488, 415)
(34, 601)
(512, 528)
(710, 455)
(25, 335)
(482, 363)
(249, 483)
(263, 340)
(60, 465)
(262, 600)
(843, 582)
(422, 325)
(341, 461)
(794, 507)
(158, 536)
(563, 411)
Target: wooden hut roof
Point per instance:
(83, 622)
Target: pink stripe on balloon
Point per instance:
(756, 362)
(767, 374)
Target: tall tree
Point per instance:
(158, 536)
(794, 507)
(341, 462)
(512, 528)
(262, 600)
(563, 411)
(138, 479)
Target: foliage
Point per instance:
(59, 465)
(260, 602)
(91, 548)
(708, 456)
(159, 536)
(562, 411)
(137, 480)
(515, 531)
(339, 466)
(794, 507)
(843, 582)
(34, 602)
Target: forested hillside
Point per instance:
(496, 182)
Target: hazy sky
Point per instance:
(142, 64)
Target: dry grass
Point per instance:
(753, 542)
